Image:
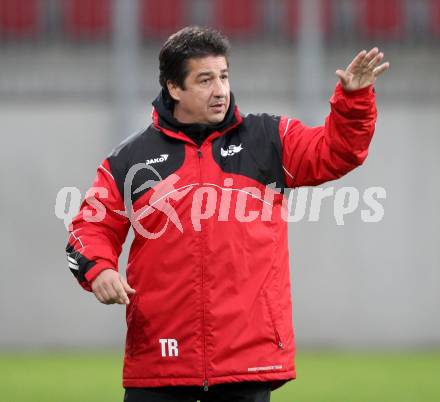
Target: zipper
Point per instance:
(278, 340)
(279, 343)
(205, 384)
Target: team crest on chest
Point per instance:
(231, 150)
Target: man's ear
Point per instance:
(174, 90)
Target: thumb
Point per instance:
(342, 76)
(126, 286)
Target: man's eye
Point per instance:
(204, 82)
(224, 77)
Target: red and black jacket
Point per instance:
(213, 296)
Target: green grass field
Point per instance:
(322, 377)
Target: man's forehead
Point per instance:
(207, 65)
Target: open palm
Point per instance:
(363, 70)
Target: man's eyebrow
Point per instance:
(210, 73)
(204, 73)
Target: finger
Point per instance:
(381, 69)
(102, 295)
(111, 296)
(98, 296)
(126, 286)
(342, 76)
(375, 61)
(357, 60)
(119, 289)
(370, 56)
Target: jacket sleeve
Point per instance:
(97, 233)
(314, 155)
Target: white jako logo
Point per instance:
(231, 150)
(162, 158)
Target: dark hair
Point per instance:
(190, 42)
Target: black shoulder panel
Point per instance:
(137, 156)
(253, 149)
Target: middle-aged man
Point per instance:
(208, 294)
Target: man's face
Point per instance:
(206, 96)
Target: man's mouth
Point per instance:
(217, 106)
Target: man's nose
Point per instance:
(220, 89)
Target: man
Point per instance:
(208, 291)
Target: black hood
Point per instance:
(164, 106)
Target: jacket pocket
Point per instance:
(277, 338)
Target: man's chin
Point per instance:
(218, 118)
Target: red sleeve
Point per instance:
(314, 155)
(98, 231)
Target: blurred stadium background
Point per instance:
(77, 76)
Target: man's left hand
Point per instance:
(363, 70)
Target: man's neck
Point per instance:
(183, 118)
